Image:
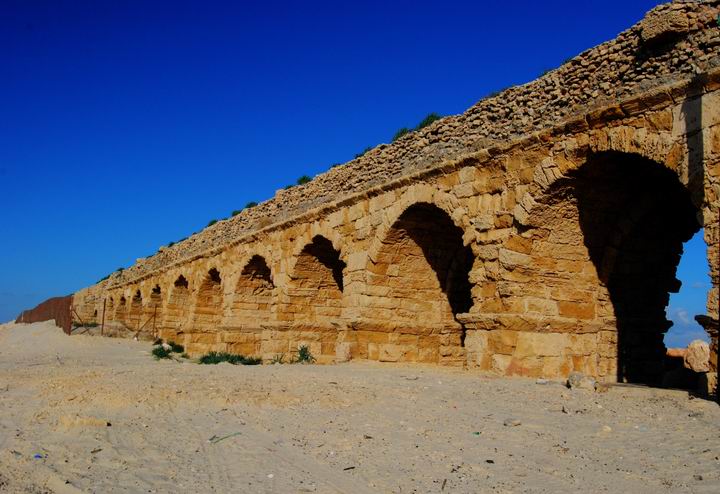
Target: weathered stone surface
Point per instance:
(697, 356)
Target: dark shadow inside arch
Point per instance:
(257, 270)
(322, 249)
(181, 282)
(442, 245)
(635, 216)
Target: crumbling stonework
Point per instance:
(536, 234)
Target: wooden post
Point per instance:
(102, 326)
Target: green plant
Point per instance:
(76, 324)
(251, 204)
(211, 223)
(335, 165)
(213, 358)
(185, 355)
(304, 356)
(278, 359)
(401, 132)
(430, 118)
(176, 348)
(369, 148)
(160, 352)
(171, 244)
(288, 187)
(236, 212)
(303, 180)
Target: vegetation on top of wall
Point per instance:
(303, 180)
(251, 204)
(401, 132)
(429, 118)
(211, 223)
(369, 148)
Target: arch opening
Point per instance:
(605, 245)
(316, 285)
(253, 293)
(134, 320)
(419, 282)
(176, 310)
(208, 305)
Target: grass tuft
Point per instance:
(304, 356)
(159, 352)
(176, 348)
(213, 358)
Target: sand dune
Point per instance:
(91, 414)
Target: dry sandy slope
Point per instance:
(348, 428)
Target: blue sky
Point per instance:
(129, 124)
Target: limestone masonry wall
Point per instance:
(537, 233)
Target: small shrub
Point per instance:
(430, 118)
(303, 180)
(335, 165)
(369, 148)
(278, 359)
(401, 132)
(77, 324)
(176, 348)
(211, 223)
(159, 352)
(251, 204)
(304, 356)
(213, 358)
(236, 212)
(288, 187)
(171, 244)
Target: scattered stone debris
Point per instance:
(578, 380)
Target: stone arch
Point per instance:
(122, 310)
(135, 313)
(153, 310)
(110, 309)
(253, 296)
(208, 303)
(417, 282)
(425, 194)
(601, 244)
(316, 284)
(176, 310)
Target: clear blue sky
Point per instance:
(128, 124)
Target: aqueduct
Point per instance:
(535, 234)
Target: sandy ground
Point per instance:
(103, 416)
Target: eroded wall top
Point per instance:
(673, 42)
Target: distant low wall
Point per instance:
(58, 308)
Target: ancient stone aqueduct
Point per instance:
(535, 234)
